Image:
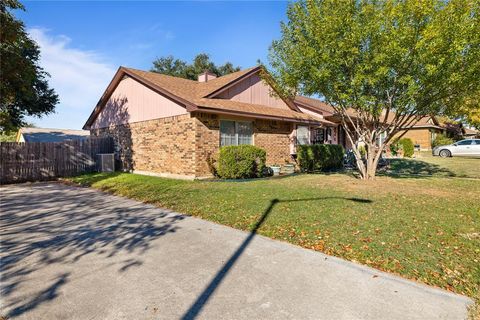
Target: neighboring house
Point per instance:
(171, 126)
(49, 135)
(422, 133)
(470, 133)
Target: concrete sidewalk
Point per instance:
(77, 253)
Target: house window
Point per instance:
(381, 138)
(233, 133)
(329, 135)
(303, 135)
(319, 136)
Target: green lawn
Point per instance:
(426, 229)
(428, 165)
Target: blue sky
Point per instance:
(83, 43)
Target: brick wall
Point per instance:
(423, 137)
(273, 136)
(181, 145)
(164, 145)
(207, 141)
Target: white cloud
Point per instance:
(79, 77)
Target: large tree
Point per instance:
(24, 89)
(470, 114)
(382, 65)
(178, 68)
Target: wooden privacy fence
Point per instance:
(34, 161)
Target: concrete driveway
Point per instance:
(77, 253)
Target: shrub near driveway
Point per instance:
(241, 162)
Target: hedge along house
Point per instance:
(422, 133)
(171, 126)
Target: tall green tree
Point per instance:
(178, 68)
(387, 62)
(24, 89)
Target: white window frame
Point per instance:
(236, 122)
(381, 138)
(309, 140)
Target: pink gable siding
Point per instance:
(134, 102)
(253, 90)
(312, 113)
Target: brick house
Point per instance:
(170, 126)
(422, 133)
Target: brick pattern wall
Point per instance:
(207, 141)
(164, 145)
(273, 136)
(182, 144)
(423, 137)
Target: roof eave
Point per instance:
(256, 115)
(425, 126)
(318, 110)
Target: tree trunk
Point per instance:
(368, 169)
(361, 167)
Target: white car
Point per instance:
(469, 147)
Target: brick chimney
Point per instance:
(205, 76)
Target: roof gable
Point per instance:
(253, 90)
(329, 112)
(188, 93)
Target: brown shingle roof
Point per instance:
(316, 104)
(189, 89)
(320, 106)
(471, 132)
(184, 88)
(195, 95)
(252, 109)
(328, 111)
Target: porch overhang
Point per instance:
(210, 110)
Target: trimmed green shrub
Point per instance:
(241, 162)
(407, 147)
(441, 140)
(319, 157)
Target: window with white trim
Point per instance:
(381, 138)
(303, 135)
(234, 133)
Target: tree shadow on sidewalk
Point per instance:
(55, 224)
(203, 298)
